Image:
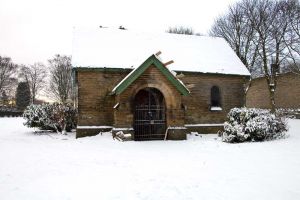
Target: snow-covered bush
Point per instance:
(56, 117)
(250, 124)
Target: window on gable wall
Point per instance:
(215, 98)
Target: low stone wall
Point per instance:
(10, 114)
(205, 128)
(174, 133)
(287, 93)
(177, 133)
(83, 131)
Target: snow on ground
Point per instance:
(51, 166)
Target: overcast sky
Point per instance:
(34, 30)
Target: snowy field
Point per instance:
(51, 166)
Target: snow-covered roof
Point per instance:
(116, 48)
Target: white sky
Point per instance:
(34, 30)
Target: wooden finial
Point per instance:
(158, 53)
(168, 63)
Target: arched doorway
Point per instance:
(149, 115)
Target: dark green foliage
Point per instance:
(22, 95)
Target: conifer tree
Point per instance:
(22, 95)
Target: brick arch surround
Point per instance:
(153, 78)
(170, 100)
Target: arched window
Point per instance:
(215, 97)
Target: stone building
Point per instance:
(154, 85)
(287, 93)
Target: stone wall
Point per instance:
(95, 102)
(287, 93)
(198, 104)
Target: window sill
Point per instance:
(215, 109)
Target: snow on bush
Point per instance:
(250, 124)
(56, 117)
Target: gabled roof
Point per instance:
(115, 48)
(152, 60)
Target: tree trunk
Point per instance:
(272, 100)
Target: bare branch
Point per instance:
(60, 87)
(35, 75)
(7, 72)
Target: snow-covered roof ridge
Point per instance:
(115, 48)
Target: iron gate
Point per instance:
(149, 116)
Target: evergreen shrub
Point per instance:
(250, 124)
(56, 117)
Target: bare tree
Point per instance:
(256, 30)
(7, 71)
(60, 87)
(269, 21)
(35, 75)
(11, 89)
(236, 29)
(292, 37)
